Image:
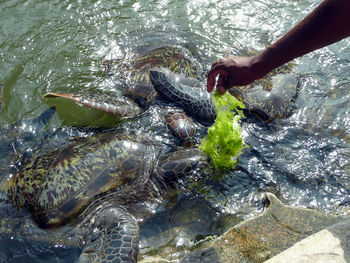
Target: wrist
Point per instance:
(264, 63)
(260, 65)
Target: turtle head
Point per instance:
(180, 165)
(159, 79)
(160, 76)
(186, 92)
(28, 128)
(23, 136)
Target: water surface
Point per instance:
(59, 46)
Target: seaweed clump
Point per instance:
(224, 142)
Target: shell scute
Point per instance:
(57, 184)
(270, 104)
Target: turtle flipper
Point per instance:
(27, 127)
(118, 106)
(23, 136)
(181, 126)
(114, 236)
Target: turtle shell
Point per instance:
(57, 185)
(136, 85)
(137, 68)
(270, 104)
(136, 71)
(165, 57)
(265, 104)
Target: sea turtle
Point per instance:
(101, 178)
(138, 93)
(273, 100)
(269, 104)
(98, 181)
(132, 79)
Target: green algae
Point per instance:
(224, 142)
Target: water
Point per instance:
(48, 46)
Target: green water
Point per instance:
(59, 46)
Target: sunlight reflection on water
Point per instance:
(48, 46)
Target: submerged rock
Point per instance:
(262, 237)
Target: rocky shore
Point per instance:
(280, 234)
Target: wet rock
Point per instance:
(262, 237)
(329, 245)
(208, 255)
(179, 229)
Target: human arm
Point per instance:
(327, 24)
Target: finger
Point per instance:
(218, 61)
(220, 81)
(214, 64)
(212, 74)
(226, 84)
(221, 68)
(220, 86)
(211, 82)
(221, 90)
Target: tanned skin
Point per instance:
(327, 24)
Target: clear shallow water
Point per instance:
(60, 45)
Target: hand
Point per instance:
(232, 71)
